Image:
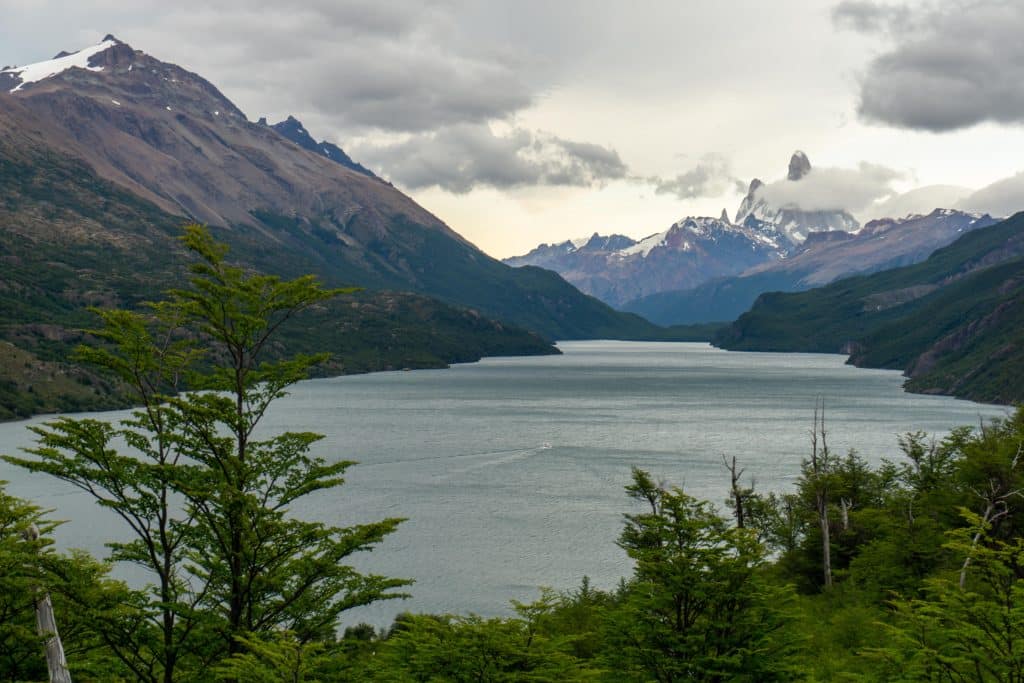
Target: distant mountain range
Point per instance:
(822, 258)
(953, 323)
(617, 269)
(106, 152)
(712, 269)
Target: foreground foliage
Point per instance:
(926, 555)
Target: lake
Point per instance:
(511, 470)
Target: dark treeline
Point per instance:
(910, 571)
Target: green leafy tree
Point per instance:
(29, 570)
(970, 633)
(279, 658)
(205, 501)
(21, 575)
(477, 650)
(698, 607)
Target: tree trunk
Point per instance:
(46, 625)
(738, 495)
(826, 541)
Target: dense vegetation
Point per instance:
(911, 571)
(954, 322)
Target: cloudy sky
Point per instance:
(522, 121)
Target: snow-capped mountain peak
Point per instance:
(791, 223)
(33, 73)
(692, 250)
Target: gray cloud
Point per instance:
(711, 177)
(462, 157)
(833, 189)
(921, 200)
(394, 66)
(870, 17)
(1002, 198)
(947, 66)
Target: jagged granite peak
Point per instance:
(799, 166)
(293, 129)
(792, 222)
(608, 243)
(747, 205)
(725, 216)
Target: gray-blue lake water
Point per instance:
(511, 471)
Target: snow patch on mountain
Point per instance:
(646, 245)
(33, 73)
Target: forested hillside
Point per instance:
(953, 323)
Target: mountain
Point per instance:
(637, 276)
(559, 257)
(617, 269)
(953, 323)
(822, 258)
(758, 213)
(169, 137)
(293, 129)
(69, 239)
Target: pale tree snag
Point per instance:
(737, 493)
(997, 505)
(820, 466)
(46, 625)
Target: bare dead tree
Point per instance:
(46, 626)
(820, 466)
(737, 493)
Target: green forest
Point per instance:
(909, 571)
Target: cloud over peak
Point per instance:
(833, 189)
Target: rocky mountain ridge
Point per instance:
(823, 258)
(293, 129)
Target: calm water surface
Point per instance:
(511, 471)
